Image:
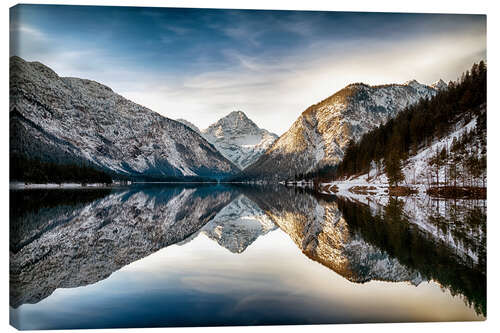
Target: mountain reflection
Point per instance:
(237, 225)
(453, 254)
(324, 235)
(67, 239)
(396, 240)
(75, 244)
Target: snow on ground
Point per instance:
(417, 166)
(415, 169)
(20, 185)
(421, 210)
(375, 186)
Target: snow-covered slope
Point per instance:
(418, 169)
(238, 138)
(320, 135)
(71, 120)
(189, 124)
(439, 85)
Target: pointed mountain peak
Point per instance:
(440, 84)
(412, 83)
(235, 119)
(238, 138)
(237, 115)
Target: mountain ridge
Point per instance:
(320, 134)
(68, 120)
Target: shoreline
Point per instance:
(350, 188)
(29, 186)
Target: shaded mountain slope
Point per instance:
(75, 121)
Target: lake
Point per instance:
(205, 255)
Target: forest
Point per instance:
(38, 172)
(418, 126)
(34, 171)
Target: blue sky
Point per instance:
(201, 64)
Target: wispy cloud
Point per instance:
(178, 30)
(26, 39)
(275, 92)
(200, 65)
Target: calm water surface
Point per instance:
(217, 255)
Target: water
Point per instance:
(151, 256)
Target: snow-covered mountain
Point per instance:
(70, 120)
(238, 138)
(468, 139)
(322, 132)
(189, 124)
(439, 85)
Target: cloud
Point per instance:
(26, 39)
(178, 30)
(272, 66)
(274, 91)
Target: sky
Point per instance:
(201, 64)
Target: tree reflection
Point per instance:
(433, 258)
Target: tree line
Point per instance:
(39, 172)
(35, 171)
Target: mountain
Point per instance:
(439, 85)
(320, 135)
(69, 121)
(440, 141)
(238, 138)
(463, 163)
(189, 124)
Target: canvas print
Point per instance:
(207, 167)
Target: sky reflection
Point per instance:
(271, 282)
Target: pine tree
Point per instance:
(393, 169)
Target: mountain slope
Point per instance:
(238, 138)
(75, 121)
(189, 124)
(414, 136)
(321, 133)
(439, 85)
(464, 145)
